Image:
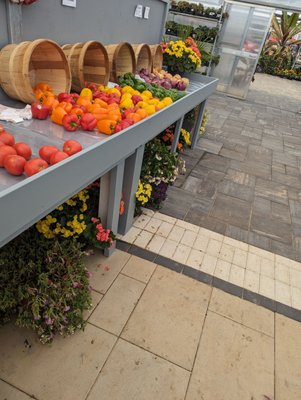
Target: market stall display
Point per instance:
(120, 153)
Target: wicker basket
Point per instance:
(122, 60)
(24, 65)
(143, 56)
(89, 62)
(157, 56)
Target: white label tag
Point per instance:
(138, 11)
(146, 12)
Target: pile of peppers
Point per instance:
(63, 109)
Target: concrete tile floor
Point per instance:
(249, 267)
(176, 339)
(243, 179)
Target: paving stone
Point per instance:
(213, 224)
(236, 349)
(259, 240)
(132, 373)
(287, 358)
(231, 210)
(272, 227)
(260, 154)
(169, 316)
(236, 190)
(232, 154)
(201, 204)
(52, 372)
(214, 162)
(284, 158)
(207, 189)
(210, 146)
(281, 211)
(271, 191)
(10, 393)
(287, 180)
(237, 233)
(240, 177)
(282, 249)
(258, 169)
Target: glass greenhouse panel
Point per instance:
(242, 37)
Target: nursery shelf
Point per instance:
(23, 201)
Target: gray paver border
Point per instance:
(215, 282)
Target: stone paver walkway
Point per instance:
(156, 334)
(243, 179)
(218, 260)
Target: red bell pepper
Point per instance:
(70, 122)
(88, 122)
(64, 97)
(39, 111)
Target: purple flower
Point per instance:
(48, 320)
(76, 285)
(89, 274)
(67, 308)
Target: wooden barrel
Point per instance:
(143, 57)
(89, 62)
(122, 60)
(24, 65)
(157, 56)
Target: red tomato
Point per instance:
(72, 147)
(23, 150)
(7, 138)
(2, 144)
(34, 166)
(2, 129)
(14, 164)
(46, 152)
(6, 151)
(57, 157)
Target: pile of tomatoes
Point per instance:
(16, 157)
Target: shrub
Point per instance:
(44, 283)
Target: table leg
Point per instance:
(109, 200)
(177, 134)
(198, 124)
(132, 172)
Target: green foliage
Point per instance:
(44, 283)
(159, 164)
(277, 53)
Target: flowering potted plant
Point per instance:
(181, 56)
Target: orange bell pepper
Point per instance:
(50, 102)
(84, 101)
(93, 108)
(57, 115)
(142, 113)
(78, 112)
(66, 106)
(102, 103)
(106, 126)
(43, 86)
(135, 117)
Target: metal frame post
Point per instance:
(198, 124)
(132, 172)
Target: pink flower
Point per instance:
(94, 220)
(76, 285)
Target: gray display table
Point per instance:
(117, 159)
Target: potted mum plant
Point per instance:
(180, 56)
